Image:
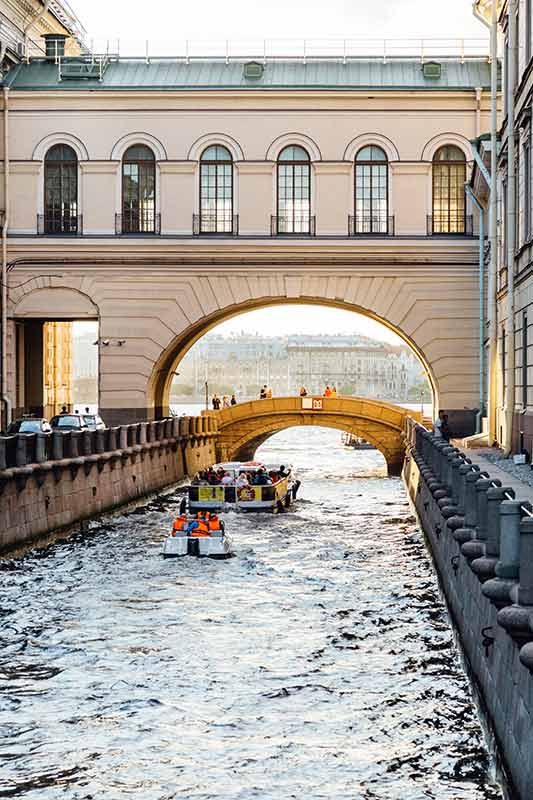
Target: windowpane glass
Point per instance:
(371, 191)
(216, 190)
(61, 190)
(138, 190)
(449, 176)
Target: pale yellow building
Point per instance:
(162, 196)
(25, 24)
(57, 359)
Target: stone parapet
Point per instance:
(49, 482)
(481, 539)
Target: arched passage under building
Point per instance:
(150, 322)
(244, 427)
(167, 365)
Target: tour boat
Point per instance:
(274, 497)
(185, 542)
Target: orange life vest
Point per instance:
(180, 523)
(214, 524)
(202, 529)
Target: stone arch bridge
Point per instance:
(244, 427)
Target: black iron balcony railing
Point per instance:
(370, 225)
(138, 224)
(292, 225)
(222, 224)
(450, 225)
(59, 224)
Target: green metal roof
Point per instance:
(168, 74)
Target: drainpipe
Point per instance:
(33, 22)
(480, 414)
(3, 372)
(492, 304)
(511, 231)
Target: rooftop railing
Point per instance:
(297, 50)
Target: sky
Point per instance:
(289, 319)
(250, 19)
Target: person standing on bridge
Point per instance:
(438, 426)
(269, 393)
(327, 392)
(333, 391)
(303, 391)
(263, 392)
(233, 400)
(225, 401)
(216, 402)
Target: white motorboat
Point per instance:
(187, 539)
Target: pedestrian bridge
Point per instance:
(246, 426)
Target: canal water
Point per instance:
(317, 664)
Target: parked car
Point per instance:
(29, 425)
(68, 422)
(93, 421)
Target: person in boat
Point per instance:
(200, 479)
(180, 524)
(274, 476)
(213, 478)
(261, 478)
(227, 479)
(282, 472)
(242, 480)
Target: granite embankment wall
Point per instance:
(481, 539)
(51, 482)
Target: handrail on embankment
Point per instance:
(481, 539)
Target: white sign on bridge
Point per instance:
(312, 404)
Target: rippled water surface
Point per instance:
(317, 663)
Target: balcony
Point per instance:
(222, 224)
(137, 223)
(292, 225)
(59, 224)
(370, 225)
(450, 225)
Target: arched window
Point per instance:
(138, 190)
(371, 191)
(449, 176)
(61, 190)
(294, 191)
(216, 190)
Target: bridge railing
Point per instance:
(23, 449)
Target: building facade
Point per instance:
(25, 25)
(160, 197)
(356, 365)
(511, 387)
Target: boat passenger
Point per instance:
(274, 477)
(282, 472)
(227, 479)
(242, 480)
(180, 523)
(214, 523)
(261, 478)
